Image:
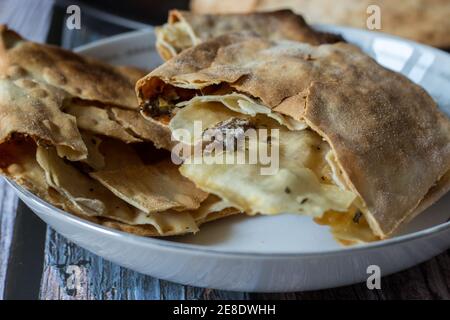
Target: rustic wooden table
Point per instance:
(37, 263)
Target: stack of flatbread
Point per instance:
(71, 133)
(424, 21)
(361, 148)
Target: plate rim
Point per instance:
(195, 248)
(190, 248)
(111, 39)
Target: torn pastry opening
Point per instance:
(307, 179)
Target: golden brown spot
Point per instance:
(54, 77)
(39, 93)
(25, 83)
(15, 72)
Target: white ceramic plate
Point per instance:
(281, 253)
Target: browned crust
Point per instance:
(434, 194)
(79, 76)
(36, 82)
(392, 147)
(33, 109)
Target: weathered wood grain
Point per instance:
(25, 256)
(74, 273)
(430, 280)
(71, 272)
(8, 206)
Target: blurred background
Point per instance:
(425, 21)
(44, 20)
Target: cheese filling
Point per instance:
(303, 182)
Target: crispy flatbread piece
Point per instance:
(390, 143)
(98, 120)
(211, 209)
(95, 158)
(38, 80)
(32, 108)
(78, 76)
(152, 188)
(54, 105)
(185, 29)
(134, 123)
(18, 163)
(88, 197)
(424, 21)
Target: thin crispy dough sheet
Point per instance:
(211, 209)
(98, 120)
(185, 29)
(78, 76)
(38, 80)
(18, 163)
(95, 158)
(102, 119)
(133, 122)
(32, 108)
(424, 21)
(37, 133)
(389, 139)
(86, 198)
(152, 188)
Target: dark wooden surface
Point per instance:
(36, 262)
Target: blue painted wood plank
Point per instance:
(430, 280)
(71, 272)
(8, 207)
(74, 273)
(193, 293)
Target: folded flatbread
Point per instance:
(67, 125)
(185, 29)
(352, 135)
(424, 21)
(48, 176)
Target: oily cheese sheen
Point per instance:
(273, 194)
(293, 188)
(302, 184)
